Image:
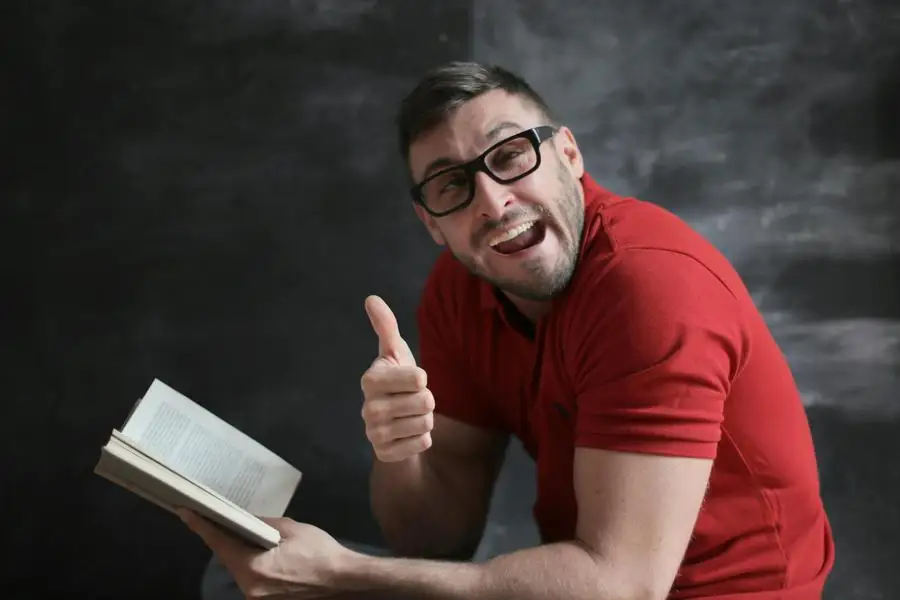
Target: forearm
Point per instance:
(418, 514)
(564, 571)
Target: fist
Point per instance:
(397, 406)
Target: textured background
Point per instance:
(205, 192)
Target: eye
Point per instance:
(506, 156)
(453, 184)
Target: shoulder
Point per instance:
(653, 340)
(638, 251)
(657, 281)
(647, 284)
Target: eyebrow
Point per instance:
(495, 131)
(492, 134)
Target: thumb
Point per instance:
(390, 343)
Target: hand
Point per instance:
(398, 406)
(306, 564)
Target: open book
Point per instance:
(176, 453)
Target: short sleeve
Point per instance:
(441, 355)
(661, 340)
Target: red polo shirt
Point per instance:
(655, 347)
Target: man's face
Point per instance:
(545, 208)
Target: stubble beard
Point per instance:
(543, 282)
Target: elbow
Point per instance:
(637, 583)
(617, 581)
(646, 587)
(617, 587)
(645, 592)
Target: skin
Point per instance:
(430, 504)
(635, 512)
(552, 194)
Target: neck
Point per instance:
(530, 309)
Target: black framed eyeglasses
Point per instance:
(509, 160)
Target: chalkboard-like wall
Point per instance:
(203, 192)
(773, 128)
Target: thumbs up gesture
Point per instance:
(398, 407)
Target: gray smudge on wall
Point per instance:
(773, 129)
(762, 125)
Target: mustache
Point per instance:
(516, 215)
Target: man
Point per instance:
(674, 458)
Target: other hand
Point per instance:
(397, 407)
(306, 564)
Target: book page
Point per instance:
(200, 446)
(131, 469)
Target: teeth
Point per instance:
(511, 233)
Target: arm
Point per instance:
(435, 504)
(652, 371)
(635, 518)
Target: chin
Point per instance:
(539, 279)
(534, 290)
(537, 273)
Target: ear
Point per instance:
(430, 225)
(569, 152)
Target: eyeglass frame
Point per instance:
(536, 135)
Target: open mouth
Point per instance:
(519, 238)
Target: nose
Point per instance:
(491, 198)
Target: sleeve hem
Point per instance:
(625, 443)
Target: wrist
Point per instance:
(410, 472)
(400, 578)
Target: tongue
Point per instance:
(526, 239)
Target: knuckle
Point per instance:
(428, 422)
(386, 455)
(421, 378)
(375, 411)
(377, 378)
(369, 414)
(419, 425)
(427, 401)
(424, 442)
(366, 381)
(381, 435)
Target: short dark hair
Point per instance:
(443, 89)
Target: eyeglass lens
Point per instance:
(452, 188)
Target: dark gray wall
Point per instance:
(205, 193)
(774, 128)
